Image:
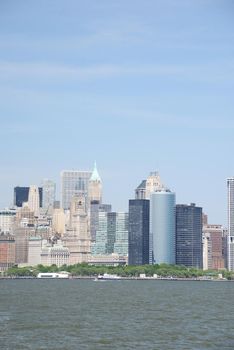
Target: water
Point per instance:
(83, 314)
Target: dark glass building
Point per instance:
(189, 235)
(138, 237)
(21, 195)
(95, 208)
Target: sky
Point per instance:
(137, 86)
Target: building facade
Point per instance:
(7, 252)
(7, 219)
(49, 192)
(189, 236)
(138, 236)
(73, 181)
(21, 195)
(230, 238)
(162, 227)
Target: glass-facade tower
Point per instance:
(73, 182)
(189, 236)
(162, 227)
(138, 236)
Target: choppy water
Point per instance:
(82, 314)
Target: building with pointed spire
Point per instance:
(95, 186)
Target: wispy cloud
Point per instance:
(40, 70)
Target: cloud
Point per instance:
(40, 70)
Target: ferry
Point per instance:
(107, 276)
(47, 275)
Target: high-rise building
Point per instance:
(213, 247)
(141, 190)
(95, 186)
(33, 200)
(72, 182)
(162, 227)
(148, 186)
(138, 237)
(7, 218)
(230, 240)
(7, 252)
(189, 235)
(112, 234)
(95, 209)
(49, 190)
(21, 195)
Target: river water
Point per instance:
(84, 314)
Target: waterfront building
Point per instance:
(49, 191)
(189, 235)
(7, 252)
(162, 227)
(213, 247)
(21, 196)
(79, 247)
(33, 200)
(108, 260)
(7, 219)
(138, 237)
(95, 186)
(72, 182)
(55, 254)
(230, 240)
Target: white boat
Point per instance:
(107, 276)
(52, 275)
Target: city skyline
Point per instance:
(138, 88)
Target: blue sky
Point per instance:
(135, 85)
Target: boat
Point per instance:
(107, 276)
(47, 275)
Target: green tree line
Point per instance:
(162, 270)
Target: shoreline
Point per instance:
(94, 278)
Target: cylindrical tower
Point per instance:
(162, 227)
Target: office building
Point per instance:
(21, 195)
(112, 234)
(138, 236)
(49, 191)
(213, 248)
(95, 186)
(7, 252)
(189, 235)
(230, 239)
(33, 200)
(95, 209)
(148, 186)
(7, 219)
(162, 227)
(73, 182)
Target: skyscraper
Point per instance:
(230, 241)
(162, 227)
(33, 200)
(95, 186)
(146, 187)
(138, 237)
(112, 234)
(49, 189)
(189, 235)
(21, 195)
(72, 182)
